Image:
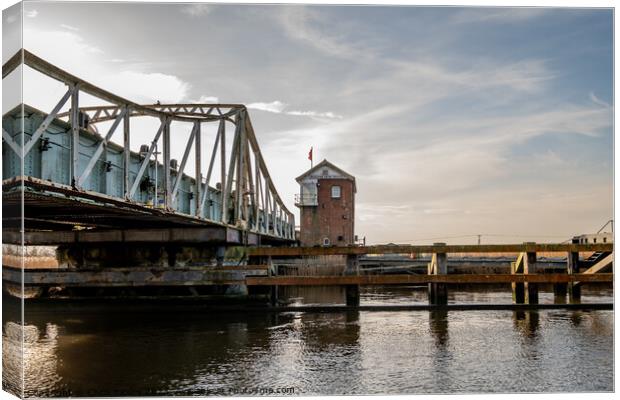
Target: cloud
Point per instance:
(312, 28)
(272, 107)
(69, 27)
(598, 101)
(31, 13)
(497, 15)
(278, 107)
(315, 114)
(206, 100)
(147, 87)
(138, 85)
(197, 10)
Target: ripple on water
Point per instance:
(316, 353)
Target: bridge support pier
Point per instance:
(438, 292)
(220, 253)
(572, 267)
(352, 292)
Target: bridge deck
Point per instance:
(52, 206)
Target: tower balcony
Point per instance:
(304, 200)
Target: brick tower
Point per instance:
(326, 201)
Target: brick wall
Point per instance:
(332, 218)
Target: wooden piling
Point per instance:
(559, 293)
(438, 292)
(518, 288)
(530, 267)
(572, 267)
(352, 292)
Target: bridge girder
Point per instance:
(247, 193)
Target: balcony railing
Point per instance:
(302, 200)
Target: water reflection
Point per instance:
(12, 360)
(442, 357)
(438, 323)
(527, 323)
(104, 350)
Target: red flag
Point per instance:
(310, 154)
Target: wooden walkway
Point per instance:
(525, 277)
(411, 249)
(423, 279)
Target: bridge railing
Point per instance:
(244, 197)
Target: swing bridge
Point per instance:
(73, 176)
(121, 220)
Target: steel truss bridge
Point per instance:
(70, 173)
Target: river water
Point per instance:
(118, 351)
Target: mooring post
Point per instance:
(572, 267)
(518, 288)
(438, 292)
(530, 266)
(352, 292)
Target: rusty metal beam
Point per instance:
(422, 279)
(219, 234)
(134, 277)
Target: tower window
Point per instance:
(335, 192)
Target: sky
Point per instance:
(455, 121)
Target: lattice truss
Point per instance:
(247, 193)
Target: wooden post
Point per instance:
(352, 292)
(559, 293)
(530, 266)
(572, 267)
(518, 288)
(438, 292)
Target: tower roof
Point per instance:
(324, 164)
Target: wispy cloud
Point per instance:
(278, 107)
(310, 27)
(31, 13)
(69, 27)
(206, 100)
(497, 15)
(272, 107)
(139, 85)
(197, 10)
(599, 101)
